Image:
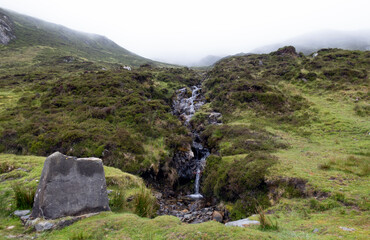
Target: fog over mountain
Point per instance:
(311, 42)
(307, 43)
(183, 32)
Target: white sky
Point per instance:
(181, 31)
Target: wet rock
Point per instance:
(158, 195)
(186, 103)
(183, 162)
(6, 29)
(215, 118)
(21, 213)
(217, 216)
(70, 186)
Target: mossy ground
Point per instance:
(311, 123)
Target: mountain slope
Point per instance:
(56, 41)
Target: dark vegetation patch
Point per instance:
(337, 69)
(241, 181)
(249, 82)
(239, 139)
(252, 81)
(115, 115)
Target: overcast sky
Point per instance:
(181, 31)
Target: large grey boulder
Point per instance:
(70, 186)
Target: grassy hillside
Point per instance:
(295, 137)
(39, 44)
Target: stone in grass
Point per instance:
(217, 216)
(43, 226)
(21, 213)
(347, 229)
(242, 223)
(70, 186)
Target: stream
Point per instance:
(186, 107)
(189, 207)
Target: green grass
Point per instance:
(313, 128)
(339, 138)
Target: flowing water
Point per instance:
(200, 156)
(190, 208)
(185, 107)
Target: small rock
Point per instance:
(22, 169)
(25, 218)
(196, 221)
(347, 229)
(187, 216)
(158, 195)
(10, 227)
(43, 226)
(217, 216)
(21, 213)
(316, 230)
(242, 223)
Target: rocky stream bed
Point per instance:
(190, 207)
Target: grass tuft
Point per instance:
(145, 203)
(117, 200)
(23, 196)
(266, 223)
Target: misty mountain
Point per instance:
(18, 31)
(311, 42)
(206, 61)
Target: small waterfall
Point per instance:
(189, 162)
(186, 107)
